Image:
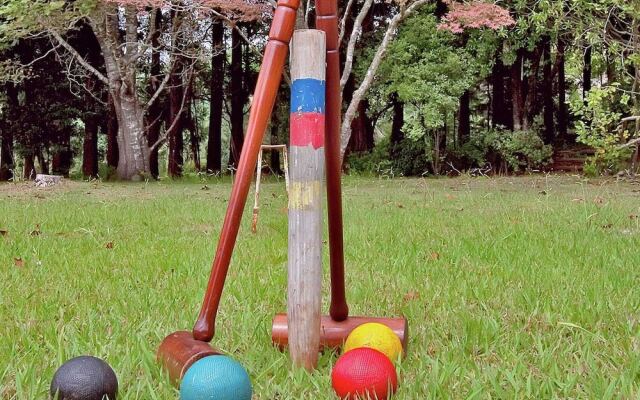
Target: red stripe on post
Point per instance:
(307, 129)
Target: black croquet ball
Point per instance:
(84, 378)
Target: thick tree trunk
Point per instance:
(90, 148)
(464, 118)
(586, 73)
(112, 135)
(563, 119)
(237, 99)
(133, 150)
(154, 115)
(214, 149)
(547, 92)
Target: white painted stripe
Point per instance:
(308, 54)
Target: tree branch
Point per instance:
(244, 37)
(78, 57)
(355, 35)
(372, 70)
(343, 22)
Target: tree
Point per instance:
(124, 34)
(216, 98)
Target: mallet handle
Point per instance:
(327, 21)
(275, 55)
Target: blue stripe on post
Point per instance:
(307, 95)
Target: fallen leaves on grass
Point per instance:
(37, 231)
(435, 255)
(412, 295)
(18, 262)
(109, 245)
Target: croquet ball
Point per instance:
(84, 378)
(375, 336)
(364, 372)
(216, 378)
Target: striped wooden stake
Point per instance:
(307, 123)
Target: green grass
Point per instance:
(513, 287)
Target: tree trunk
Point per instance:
(177, 104)
(112, 135)
(361, 130)
(191, 125)
(6, 154)
(154, 115)
(276, 126)
(464, 118)
(133, 149)
(518, 94)
(397, 123)
(547, 92)
(62, 156)
(42, 160)
(29, 169)
(214, 149)
(237, 100)
(500, 114)
(176, 119)
(7, 163)
(90, 148)
(586, 73)
(563, 121)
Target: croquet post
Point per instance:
(307, 121)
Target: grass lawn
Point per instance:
(514, 287)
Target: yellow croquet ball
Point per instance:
(375, 336)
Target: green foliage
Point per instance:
(426, 68)
(597, 127)
(410, 158)
(514, 151)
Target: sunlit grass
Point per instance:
(513, 287)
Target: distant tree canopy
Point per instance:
(429, 86)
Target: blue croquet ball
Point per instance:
(216, 378)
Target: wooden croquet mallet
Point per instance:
(181, 349)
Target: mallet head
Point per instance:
(179, 351)
(333, 334)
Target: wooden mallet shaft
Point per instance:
(304, 297)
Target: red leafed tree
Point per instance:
(125, 31)
(475, 15)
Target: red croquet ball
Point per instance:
(364, 372)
